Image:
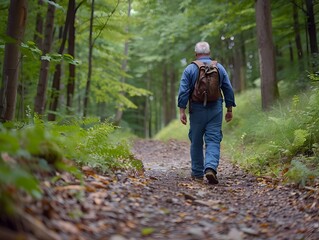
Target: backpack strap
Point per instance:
(214, 63)
(198, 63)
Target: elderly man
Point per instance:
(205, 119)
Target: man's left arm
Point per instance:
(228, 93)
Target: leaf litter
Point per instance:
(164, 203)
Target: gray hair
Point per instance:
(202, 48)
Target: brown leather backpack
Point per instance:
(207, 84)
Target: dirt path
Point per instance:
(166, 204)
(239, 207)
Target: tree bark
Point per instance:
(39, 27)
(291, 52)
(165, 100)
(172, 102)
(39, 105)
(119, 111)
(311, 27)
(297, 32)
(55, 86)
(88, 82)
(147, 108)
(269, 88)
(16, 27)
(57, 74)
(238, 79)
(71, 48)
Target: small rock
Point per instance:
(196, 232)
(117, 237)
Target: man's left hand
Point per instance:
(228, 116)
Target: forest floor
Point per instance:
(164, 203)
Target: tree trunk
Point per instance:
(291, 52)
(71, 48)
(243, 66)
(165, 100)
(57, 74)
(39, 105)
(311, 27)
(172, 102)
(119, 111)
(147, 108)
(88, 82)
(16, 26)
(238, 70)
(39, 27)
(297, 32)
(269, 88)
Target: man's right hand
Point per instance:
(182, 116)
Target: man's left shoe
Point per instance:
(210, 174)
(197, 179)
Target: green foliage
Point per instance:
(39, 147)
(267, 143)
(299, 173)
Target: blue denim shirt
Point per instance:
(189, 78)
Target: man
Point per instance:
(205, 121)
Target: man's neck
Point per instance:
(202, 55)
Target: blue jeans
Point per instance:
(205, 125)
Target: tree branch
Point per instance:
(106, 22)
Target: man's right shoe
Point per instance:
(210, 174)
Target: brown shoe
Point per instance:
(197, 179)
(210, 174)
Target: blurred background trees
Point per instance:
(122, 60)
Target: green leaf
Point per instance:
(300, 137)
(8, 143)
(147, 231)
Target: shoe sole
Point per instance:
(211, 178)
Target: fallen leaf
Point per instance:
(147, 231)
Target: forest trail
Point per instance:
(241, 206)
(163, 203)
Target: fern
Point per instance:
(299, 173)
(42, 147)
(264, 142)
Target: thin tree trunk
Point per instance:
(165, 100)
(147, 109)
(242, 66)
(297, 32)
(291, 52)
(312, 27)
(237, 70)
(88, 82)
(39, 27)
(55, 85)
(172, 103)
(71, 48)
(57, 74)
(16, 27)
(39, 105)
(269, 88)
(119, 111)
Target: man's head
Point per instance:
(202, 49)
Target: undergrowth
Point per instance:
(283, 142)
(28, 151)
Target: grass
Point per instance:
(174, 130)
(282, 142)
